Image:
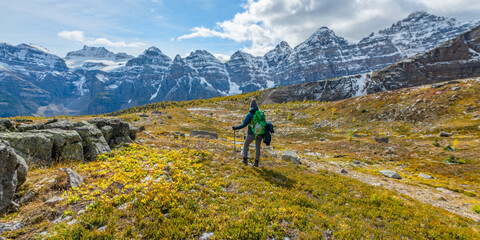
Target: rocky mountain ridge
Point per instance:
(94, 80)
(458, 58)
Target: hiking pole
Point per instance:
(234, 141)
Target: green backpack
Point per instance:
(258, 123)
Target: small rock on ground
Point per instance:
(206, 235)
(390, 174)
(444, 134)
(74, 180)
(54, 200)
(6, 227)
(291, 156)
(381, 139)
(27, 197)
(425, 176)
(203, 134)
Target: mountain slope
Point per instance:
(456, 59)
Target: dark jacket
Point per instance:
(268, 134)
(248, 119)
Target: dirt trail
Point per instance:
(439, 197)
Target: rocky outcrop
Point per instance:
(54, 140)
(93, 141)
(7, 126)
(115, 131)
(10, 177)
(62, 139)
(67, 144)
(35, 147)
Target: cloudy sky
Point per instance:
(218, 26)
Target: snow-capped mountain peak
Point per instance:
(91, 53)
(151, 56)
(96, 58)
(323, 37)
(421, 31)
(417, 14)
(178, 59)
(152, 51)
(39, 48)
(279, 53)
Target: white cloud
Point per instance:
(203, 32)
(72, 35)
(78, 36)
(263, 23)
(222, 57)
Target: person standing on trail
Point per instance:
(255, 120)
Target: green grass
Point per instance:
(200, 193)
(476, 208)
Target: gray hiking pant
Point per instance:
(258, 142)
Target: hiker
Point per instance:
(253, 117)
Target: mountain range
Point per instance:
(457, 58)
(94, 80)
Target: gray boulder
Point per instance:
(60, 124)
(67, 144)
(35, 146)
(120, 130)
(22, 170)
(93, 142)
(203, 134)
(74, 180)
(8, 176)
(291, 156)
(133, 132)
(107, 132)
(23, 127)
(7, 125)
(390, 174)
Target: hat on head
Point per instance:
(253, 104)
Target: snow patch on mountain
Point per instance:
(39, 48)
(96, 58)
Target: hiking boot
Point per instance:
(256, 163)
(245, 161)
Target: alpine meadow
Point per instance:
(300, 134)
